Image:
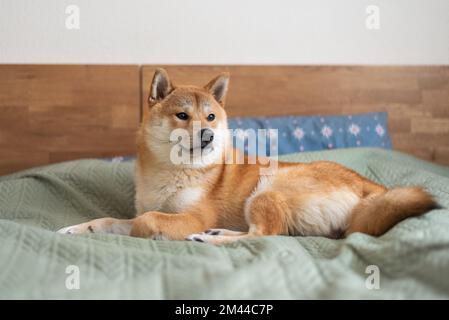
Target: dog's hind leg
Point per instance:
(265, 213)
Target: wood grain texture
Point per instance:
(50, 113)
(416, 98)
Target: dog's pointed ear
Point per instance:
(161, 86)
(218, 87)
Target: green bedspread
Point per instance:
(413, 257)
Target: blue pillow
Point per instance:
(310, 133)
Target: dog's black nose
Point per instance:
(207, 136)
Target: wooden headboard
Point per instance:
(51, 113)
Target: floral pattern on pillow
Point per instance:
(311, 133)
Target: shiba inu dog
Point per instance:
(211, 200)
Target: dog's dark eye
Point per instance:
(211, 117)
(182, 116)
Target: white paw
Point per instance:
(214, 232)
(200, 237)
(223, 232)
(216, 236)
(209, 236)
(76, 229)
(66, 230)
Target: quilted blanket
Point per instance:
(410, 261)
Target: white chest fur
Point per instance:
(170, 192)
(183, 199)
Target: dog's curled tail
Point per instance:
(378, 212)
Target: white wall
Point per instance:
(225, 32)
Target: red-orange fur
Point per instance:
(378, 212)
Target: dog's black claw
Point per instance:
(212, 232)
(198, 239)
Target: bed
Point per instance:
(41, 192)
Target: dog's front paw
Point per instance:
(76, 229)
